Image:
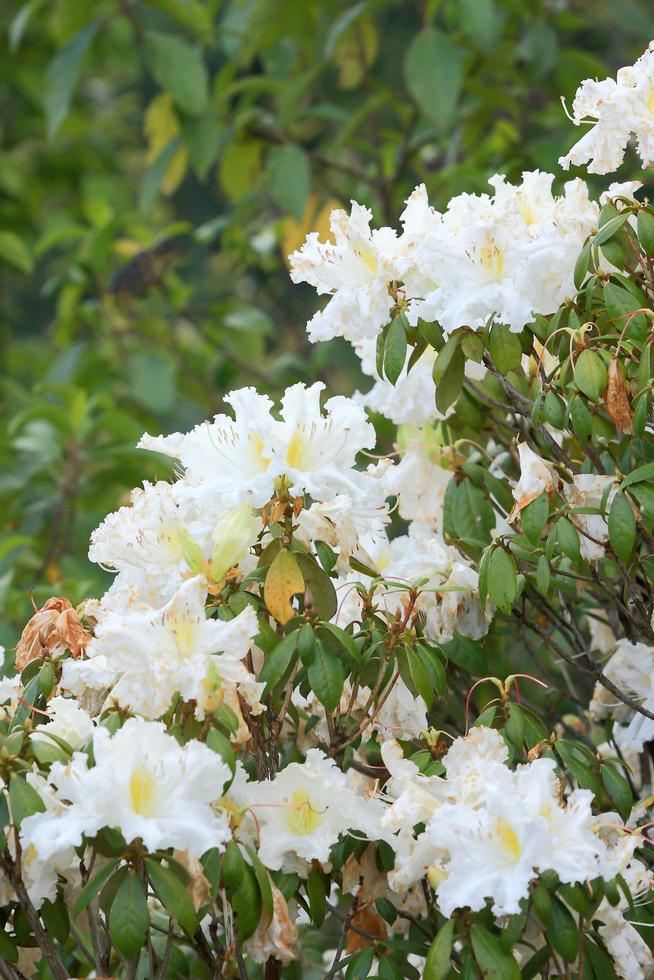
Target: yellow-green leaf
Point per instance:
(284, 580)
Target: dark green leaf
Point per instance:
(61, 77)
(434, 74)
(493, 962)
(326, 677)
(505, 348)
(502, 579)
(437, 965)
(23, 800)
(178, 67)
(622, 527)
(172, 894)
(289, 176)
(93, 885)
(128, 917)
(590, 374)
(395, 348)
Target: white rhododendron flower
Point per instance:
(585, 491)
(631, 669)
(489, 830)
(144, 784)
(536, 476)
(505, 257)
(303, 810)
(419, 482)
(175, 649)
(242, 459)
(68, 721)
(355, 269)
(618, 109)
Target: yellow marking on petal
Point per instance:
(296, 449)
(491, 257)
(183, 631)
(649, 101)
(143, 791)
(257, 443)
(526, 209)
(435, 875)
(508, 837)
(301, 816)
(368, 258)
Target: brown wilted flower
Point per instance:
(278, 937)
(199, 887)
(53, 629)
(616, 398)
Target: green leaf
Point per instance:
(151, 378)
(178, 67)
(554, 410)
(172, 894)
(543, 575)
(502, 579)
(611, 227)
(14, 250)
(243, 890)
(289, 178)
(155, 174)
(433, 72)
(542, 903)
(449, 387)
(505, 348)
(278, 661)
(317, 895)
(645, 226)
(533, 517)
(622, 527)
(56, 919)
(420, 676)
(645, 472)
(564, 933)
(581, 418)
(359, 965)
(582, 264)
(437, 965)
(320, 585)
(601, 962)
(395, 348)
(591, 375)
(61, 77)
(568, 538)
(263, 881)
(8, 950)
(326, 677)
(128, 917)
(93, 886)
(479, 20)
(620, 303)
(618, 789)
(493, 962)
(445, 357)
(23, 800)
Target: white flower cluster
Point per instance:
(618, 108)
(508, 256)
(488, 829)
(165, 653)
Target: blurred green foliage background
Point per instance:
(158, 160)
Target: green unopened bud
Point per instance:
(191, 550)
(46, 679)
(233, 537)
